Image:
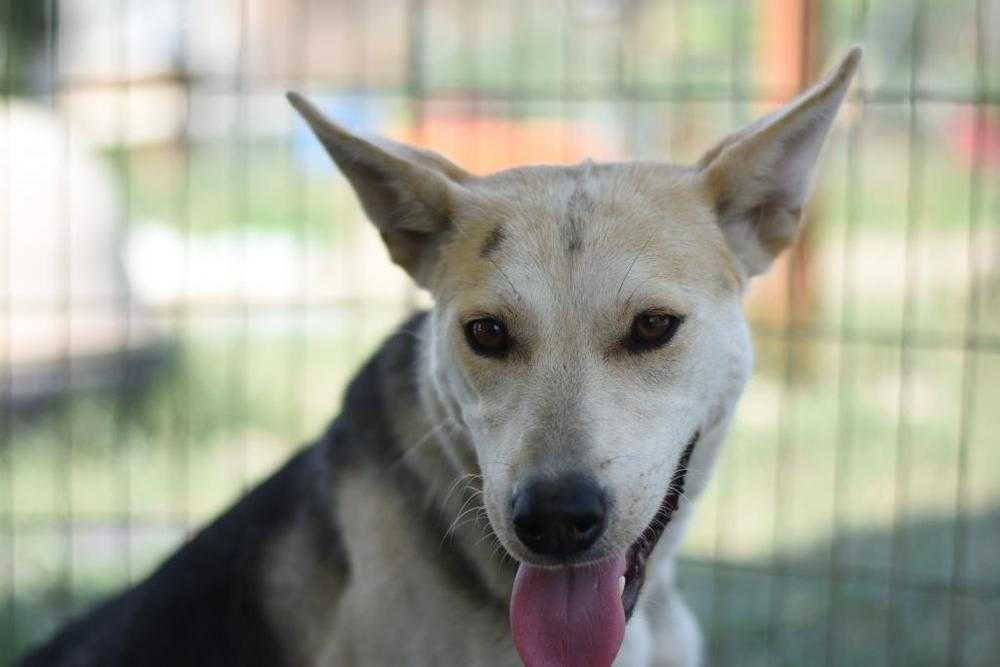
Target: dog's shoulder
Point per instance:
(203, 605)
(211, 602)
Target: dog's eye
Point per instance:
(487, 337)
(652, 329)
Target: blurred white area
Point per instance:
(254, 268)
(80, 292)
(148, 72)
(106, 40)
(62, 282)
(61, 208)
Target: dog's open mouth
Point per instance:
(577, 615)
(638, 553)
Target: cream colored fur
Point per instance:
(579, 251)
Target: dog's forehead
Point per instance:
(578, 230)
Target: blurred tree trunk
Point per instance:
(23, 24)
(787, 55)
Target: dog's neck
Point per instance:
(459, 492)
(433, 446)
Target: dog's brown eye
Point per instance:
(652, 329)
(487, 337)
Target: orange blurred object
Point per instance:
(975, 140)
(787, 58)
(487, 144)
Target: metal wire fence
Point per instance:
(188, 285)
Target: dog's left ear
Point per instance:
(406, 192)
(759, 177)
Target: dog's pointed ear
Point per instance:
(406, 192)
(759, 177)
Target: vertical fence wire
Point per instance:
(725, 497)
(957, 601)
(123, 300)
(298, 322)
(416, 82)
(238, 336)
(786, 449)
(7, 389)
(911, 268)
(565, 91)
(182, 404)
(64, 306)
(847, 362)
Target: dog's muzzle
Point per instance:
(575, 614)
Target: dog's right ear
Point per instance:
(406, 192)
(759, 177)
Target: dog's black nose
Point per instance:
(559, 517)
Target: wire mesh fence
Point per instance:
(188, 284)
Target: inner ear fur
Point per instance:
(406, 192)
(758, 178)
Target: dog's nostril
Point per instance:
(559, 517)
(584, 524)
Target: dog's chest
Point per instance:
(400, 605)
(397, 606)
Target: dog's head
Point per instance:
(587, 329)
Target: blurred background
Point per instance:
(186, 284)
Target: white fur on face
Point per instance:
(570, 396)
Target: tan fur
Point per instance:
(566, 257)
(302, 596)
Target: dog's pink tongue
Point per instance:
(568, 616)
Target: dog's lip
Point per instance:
(559, 565)
(640, 550)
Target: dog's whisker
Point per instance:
(445, 423)
(456, 523)
(640, 285)
(457, 483)
(465, 522)
(632, 265)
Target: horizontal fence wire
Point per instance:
(688, 92)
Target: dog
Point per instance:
(513, 470)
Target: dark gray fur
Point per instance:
(579, 208)
(492, 242)
(205, 605)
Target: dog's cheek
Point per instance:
(495, 495)
(731, 353)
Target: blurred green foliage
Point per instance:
(24, 25)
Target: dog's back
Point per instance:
(204, 605)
